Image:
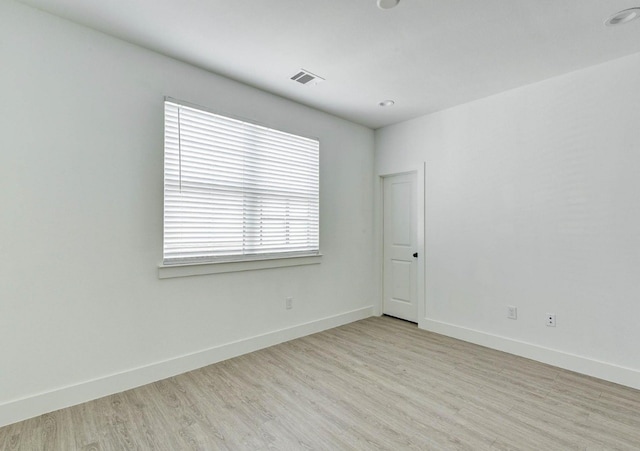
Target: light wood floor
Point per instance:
(379, 383)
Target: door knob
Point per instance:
(415, 255)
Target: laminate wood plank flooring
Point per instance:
(376, 384)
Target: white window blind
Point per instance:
(235, 190)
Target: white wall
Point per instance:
(532, 201)
(82, 311)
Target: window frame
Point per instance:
(235, 262)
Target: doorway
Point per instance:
(400, 246)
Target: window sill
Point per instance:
(199, 269)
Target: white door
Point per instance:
(400, 247)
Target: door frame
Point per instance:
(379, 237)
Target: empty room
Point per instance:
(332, 225)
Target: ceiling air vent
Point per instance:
(305, 77)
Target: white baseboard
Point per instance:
(602, 370)
(38, 404)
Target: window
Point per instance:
(236, 191)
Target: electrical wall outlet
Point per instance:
(551, 319)
(512, 312)
(288, 304)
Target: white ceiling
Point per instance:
(426, 55)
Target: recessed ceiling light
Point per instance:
(622, 17)
(387, 4)
(387, 103)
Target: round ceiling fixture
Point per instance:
(623, 17)
(387, 4)
(387, 103)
